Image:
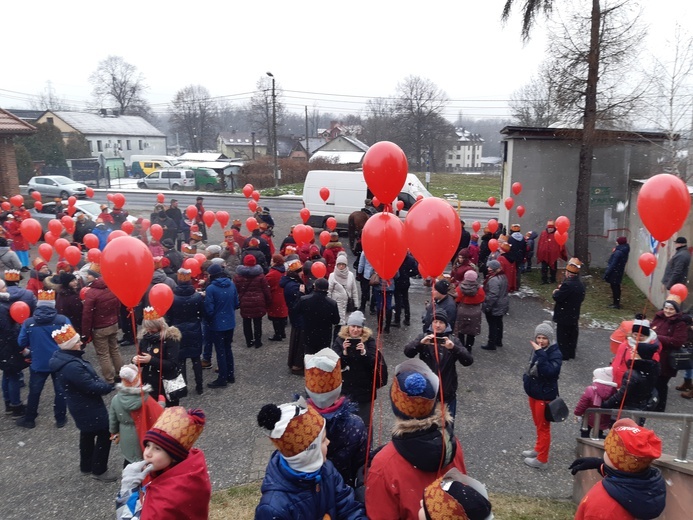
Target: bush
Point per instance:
(260, 173)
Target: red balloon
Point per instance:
(305, 214)
(55, 226)
(71, 200)
(17, 200)
(679, 290)
(562, 224)
(663, 205)
(248, 190)
(492, 225)
(493, 245)
(118, 200)
(193, 265)
(324, 193)
(49, 237)
(30, 230)
(325, 238)
(255, 195)
(83, 292)
(419, 197)
(375, 201)
(517, 187)
(127, 267)
(433, 217)
(36, 196)
(384, 244)
(331, 223)
(191, 212)
(68, 224)
(318, 269)
(73, 255)
(561, 238)
(91, 241)
(94, 255)
(476, 226)
(491, 201)
(385, 170)
(508, 203)
(90, 192)
(160, 198)
(115, 234)
(647, 262)
(38, 205)
(20, 311)
(60, 246)
(223, 218)
(156, 231)
(251, 224)
(400, 205)
(46, 251)
(110, 197)
(200, 257)
(161, 298)
(6, 206)
(71, 210)
(146, 223)
(252, 205)
(209, 218)
(303, 234)
(128, 227)
(520, 211)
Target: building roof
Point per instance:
(339, 157)
(313, 143)
(29, 116)
(242, 139)
(202, 157)
(88, 123)
(530, 132)
(334, 144)
(286, 145)
(12, 125)
(466, 136)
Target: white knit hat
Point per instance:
(604, 375)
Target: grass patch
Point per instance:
(239, 503)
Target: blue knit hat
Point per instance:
(414, 390)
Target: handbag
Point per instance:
(381, 371)
(350, 306)
(374, 279)
(681, 359)
(556, 410)
(175, 388)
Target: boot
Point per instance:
(687, 395)
(687, 385)
(8, 408)
(18, 411)
(388, 320)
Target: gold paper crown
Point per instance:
(184, 275)
(228, 233)
(95, 267)
(63, 334)
(47, 295)
(300, 433)
(441, 504)
(12, 275)
(673, 298)
(196, 234)
(410, 405)
(150, 314)
(236, 222)
(574, 265)
(320, 382)
(190, 249)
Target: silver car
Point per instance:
(57, 186)
(90, 209)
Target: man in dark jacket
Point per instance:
(174, 213)
(320, 314)
(252, 247)
(566, 310)
(677, 268)
(613, 274)
(174, 256)
(407, 270)
(262, 245)
(82, 227)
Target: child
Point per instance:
(600, 390)
(83, 391)
(172, 481)
(470, 297)
(640, 332)
(455, 495)
(132, 413)
(300, 482)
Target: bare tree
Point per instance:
(194, 117)
(118, 82)
(535, 103)
(379, 121)
(260, 110)
(49, 100)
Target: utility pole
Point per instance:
(274, 135)
(307, 146)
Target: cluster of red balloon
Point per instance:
(562, 226)
(509, 202)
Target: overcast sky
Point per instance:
(329, 55)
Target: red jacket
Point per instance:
(332, 249)
(18, 241)
(510, 272)
(672, 333)
(549, 250)
(598, 505)
(253, 291)
(477, 299)
(101, 307)
(277, 307)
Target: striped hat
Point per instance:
(66, 337)
(323, 372)
(176, 430)
(46, 298)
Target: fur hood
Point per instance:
(403, 427)
(132, 390)
(331, 245)
(172, 333)
(365, 335)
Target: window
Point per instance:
(128, 145)
(49, 120)
(154, 175)
(449, 157)
(91, 145)
(459, 147)
(140, 144)
(458, 157)
(99, 146)
(174, 174)
(189, 174)
(120, 144)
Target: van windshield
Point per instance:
(417, 188)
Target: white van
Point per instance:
(348, 191)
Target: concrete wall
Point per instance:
(9, 179)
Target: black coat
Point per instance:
(638, 386)
(186, 314)
(568, 298)
(357, 370)
(541, 379)
(320, 313)
(617, 264)
(291, 284)
(408, 269)
(151, 344)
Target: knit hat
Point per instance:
(219, 261)
(66, 337)
(214, 270)
(471, 276)
(604, 375)
(214, 249)
(183, 275)
(681, 240)
(176, 430)
(674, 301)
(544, 329)
(494, 265)
(197, 235)
(442, 286)
(167, 243)
(321, 285)
(323, 372)
(293, 263)
(46, 298)
(334, 236)
(621, 241)
(277, 259)
(12, 275)
(356, 318)
(647, 350)
(456, 496)
(464, 252)
(297, 432)
(129, 373)
(150, 314)
(413, 391)
(641, 326)
(249, 260)
(574, 265)
(342, 259)
(631, 448)
(515, 227)
(65, 278)
(440, 314)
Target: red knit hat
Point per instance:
(631, 448)
(249, 260)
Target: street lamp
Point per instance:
(274, 135)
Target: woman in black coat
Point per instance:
(613, 274)
(67, 299)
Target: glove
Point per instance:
(133, 475)
(580, 464)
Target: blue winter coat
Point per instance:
(36, 334)
(617, 264)
(102, 235)
(286, 496)
(292, 295)
(541, 378)
(83, 390)
(186, 315)
(221, 302)
(17, 294)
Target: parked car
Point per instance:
(169, 178)
(57, 186)
(90, 208)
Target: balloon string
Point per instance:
(440, 381)
(143, 419)
(377, 371)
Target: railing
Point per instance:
(684, 418)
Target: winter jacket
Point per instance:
(102, 234)
(497, 302)
(408, 269)
(624, 496)
(69, 304)
(447, 303)
(357, 370)
(568, 298)
(617, 264)
(593, 397)
(35, 283)
(263, 247)
(638, 387)
(518, 247)
(530, 241)
(221, 302)
(9, 260)
(348, 438)
(11, 357)
(624, 354)
(541, 379)
(100, 309)
(120, 419)
(164, 362)
(458, 270)
(447, 358)
(677, 268)
(332, 249)
(509, 271)
(341, 292)
(548, 250)
(320, 313)
(253, 291)
(277, 307)
(290, 284)
(19, 243)
(176, 259)
(289, 496)
(18, 294)
(412, 460)
(82, 229)
(672, 333)
(36, 334)
(83, 389)
(470, 298)
(186, 314)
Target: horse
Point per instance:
(357, 220)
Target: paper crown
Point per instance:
(574, 265)
(236, 222)
(95, 267)
(293, 428)
(323, 373)
(150, 314)
(197, 235)
(184, 275)
(414, 390)
(631, 448)
(176, 430)
(66, 336)
(228, 234)
(189, 248)
(46, 295)
(455, 495)
(12, 275)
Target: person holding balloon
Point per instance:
(12, 360)
(37, 275)
(677, 268)
(548, 253)
(101, 232)
(496, 303)
(12, 278)
(19, 244)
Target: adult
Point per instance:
(101, 231)
(332, 249)
(106, 217)
(518, 248)
(441, 300)
(470, 298)
(541, 386)
(176, 215)
(255, 298)
(293, 287)
(221, 302)
(119, 216)
(237, 235)
(67, 299)
(613, 275)
(37, 275)
(677, 267)
(12, 360)
(8, 258)
(342, 288)
(198, 218)
(364, 272)
(173, 255)
(568, 299)
(83, 225)
(12, 278)
(408, 270)
(496, 303)
(320, 313)
(289, 240)
(548, 253)
(277, 311)
(460, 265)
(252, 247)
(465, 238)
(18, 243)
(257, 241)
(169, 226)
